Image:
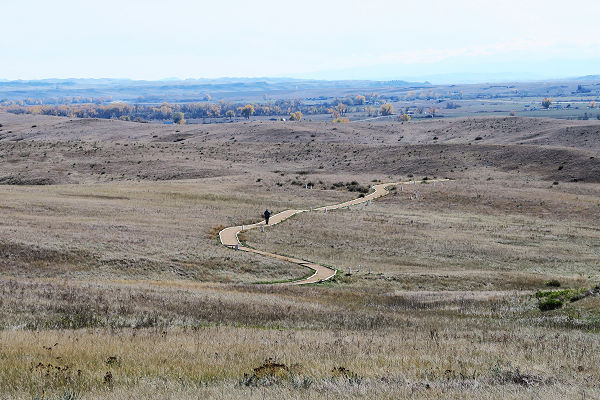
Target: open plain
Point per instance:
(114, 283)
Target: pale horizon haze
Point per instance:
(312, 39)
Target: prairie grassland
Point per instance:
(185, 340)
(164, 229)
(113, 284)
(447, 312)
(214, 360)
(462, 235)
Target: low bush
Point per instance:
(553, 299)
(548, 304)
(351, 187)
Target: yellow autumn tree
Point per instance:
(297, 116)
(247, 111)
(178, 118)
(546, 103)
(386, 109)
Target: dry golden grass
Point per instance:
(117, 288)
(203, 339)
(425, 358)
(183, 339)
(466, 235)
(159, 230)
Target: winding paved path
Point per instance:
(229, 236)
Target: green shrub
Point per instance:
(552, 283)
(553, 299)
(548, 304)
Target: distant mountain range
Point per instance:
(228, 89)
(588, 78)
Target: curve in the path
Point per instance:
(229, 236)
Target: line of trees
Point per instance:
(166, 111)
(294, 108)
(371, 104)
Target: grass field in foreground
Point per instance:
(113, 283)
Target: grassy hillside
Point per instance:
(114, 285)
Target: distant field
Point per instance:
(206, 102)
(114, 285)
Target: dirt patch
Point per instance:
(269, 373)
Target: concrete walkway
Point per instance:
(229, 236)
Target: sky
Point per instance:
(325, 39)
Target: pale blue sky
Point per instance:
(321, 39)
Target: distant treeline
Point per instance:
(165, 111)
(87, 107)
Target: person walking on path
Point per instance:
(267, 214)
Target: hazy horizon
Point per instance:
(433, 79)
(333, 40)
